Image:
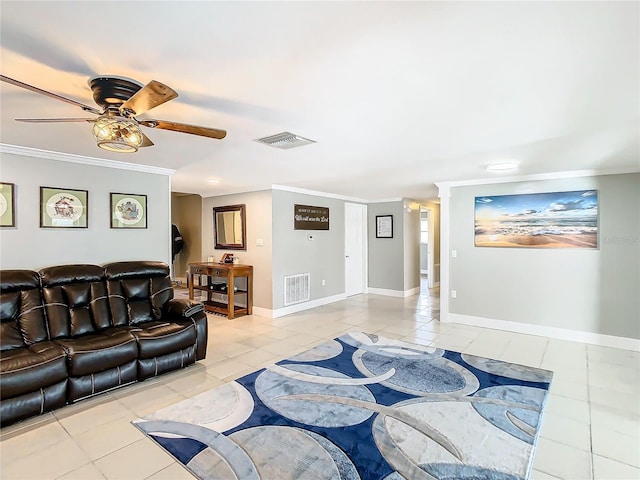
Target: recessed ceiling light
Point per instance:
(502, 166)
(214, 180)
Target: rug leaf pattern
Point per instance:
(362, 407)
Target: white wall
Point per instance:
(259, 212)
(285, 251)
(394, 263)
(411, 239)
(584, 290)
(293, 253)
(27, 246)
(386, 255)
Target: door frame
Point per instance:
(430, 246)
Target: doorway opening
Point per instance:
(426, 250)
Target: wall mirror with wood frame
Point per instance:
(229, 227)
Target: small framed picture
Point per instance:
(63, 208)
(7, 204)
(384, 226)
(128, 210)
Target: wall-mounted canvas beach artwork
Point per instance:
(538, 220)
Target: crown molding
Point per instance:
(536, 177)
(391, 200)
(68, 157)
(317, 194)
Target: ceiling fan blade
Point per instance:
(184, 128)
(54, 120)
(150, 96)
(146, 141)
(18, 83)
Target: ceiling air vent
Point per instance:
(285, 140)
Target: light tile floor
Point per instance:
(591, 426)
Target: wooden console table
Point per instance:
(226, 273)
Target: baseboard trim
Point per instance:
(281, 312)
(262, 312)
(624, 343)
(393, 293)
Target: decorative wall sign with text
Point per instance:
(306, 217)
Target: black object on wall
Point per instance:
(177, 242)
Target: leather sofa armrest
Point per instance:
(183, 310)
(180, 307)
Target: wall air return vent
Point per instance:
(285, 140)
(297, 288)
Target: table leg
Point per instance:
(230, 300)
(250, 293)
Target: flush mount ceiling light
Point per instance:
(285, 140)
(502, 166)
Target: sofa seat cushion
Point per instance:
(84, 386)
(156, 339)
(26, 370)
(98, 352)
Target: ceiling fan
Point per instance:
(116, 127)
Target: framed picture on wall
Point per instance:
(63, 208)
(538, 220)
(128, 210)
(384, 226)
(7, 204)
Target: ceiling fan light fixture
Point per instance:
(117, 134)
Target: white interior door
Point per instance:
(355, 261)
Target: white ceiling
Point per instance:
(397, 95)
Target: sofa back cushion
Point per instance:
(137, 291)
(22, 320)
(75, 298)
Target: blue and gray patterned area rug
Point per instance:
(362, 407)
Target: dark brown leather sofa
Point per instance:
(72, 331)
